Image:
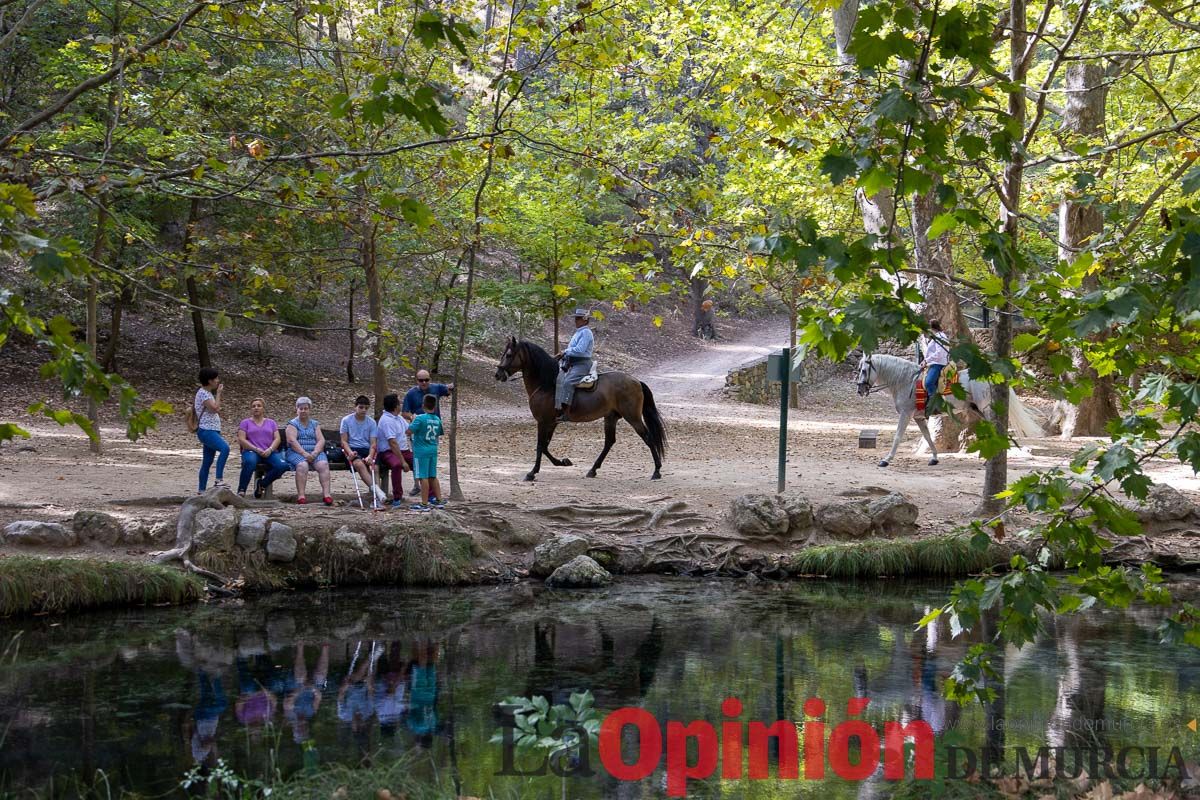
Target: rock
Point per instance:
(33, 533)
(580, 571)
(96, 526)
(350, 540)
(800, 513)
(557, 551)
(281, 542)
(216, 529)
(252, 530)
(892, 515)
(1164, 504)
(844, 520)
(760, 516)
(443, 523)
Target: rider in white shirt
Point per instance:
(937, 356)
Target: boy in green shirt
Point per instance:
(425, 430)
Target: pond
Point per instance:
(298, 681)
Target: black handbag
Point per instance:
(333, 447)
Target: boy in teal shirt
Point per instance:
(425, 430)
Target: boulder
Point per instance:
(96, 526)
(760, 516)
(216, 529)
(281, 542)
(352, 541)
(557, 551)
(892, 515)
(33, 533)
(800, 513)
(846, 520)
(252, 530)
(1164, 504)
(579, 572)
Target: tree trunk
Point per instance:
(698, 286)
(878, 210)
(940, 300)
(93, 411)
(793, 315)
(353, 337)
(374, 309)
(193, 291)
(441, 342)
(1079, 225)
(124, 298)
(995, 474)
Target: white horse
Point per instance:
(899, 375)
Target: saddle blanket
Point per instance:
(946, 381)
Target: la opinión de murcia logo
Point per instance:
(852, 750)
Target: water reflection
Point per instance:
(294, 681)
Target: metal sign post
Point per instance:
(779, 368)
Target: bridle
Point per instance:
(865, 387)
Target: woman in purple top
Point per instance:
(259, 437)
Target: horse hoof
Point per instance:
(591, 473)
(566, 462)
(530, 477)
(883, 463)
(933, 462)
(656, 476)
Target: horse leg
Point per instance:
(924, 426)
(541, 447)
(558, 462)
(610, 438)
(640, 427)
(901, 427)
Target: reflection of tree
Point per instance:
(1078, 717)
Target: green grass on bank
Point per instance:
(34, 585)
(943, 556)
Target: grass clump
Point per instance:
(38, 585)
(942, 556)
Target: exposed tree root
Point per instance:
(185, 530)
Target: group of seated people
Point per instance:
(404, 438)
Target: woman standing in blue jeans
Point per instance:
(208, 412)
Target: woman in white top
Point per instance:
(937, 356)
(208, 411)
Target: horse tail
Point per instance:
(1021, 420)
(654, 423)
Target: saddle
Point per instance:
(946, 382)
(589, 382)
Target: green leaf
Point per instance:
(942, 223)
(1025, 341)
(339, 105)
(417, 214)
(1191, 181)
(838, 166)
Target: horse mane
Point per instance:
(542, 365)
(894, 371)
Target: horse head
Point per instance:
(866, 375)
(511, 362)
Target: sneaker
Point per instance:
(415, 492)
(438, 504)
(328, 501)
(301, 499)
(419, 507)
(220, 485)
(397, 504)
(258, 488)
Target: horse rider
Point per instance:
(575, 362)
(937, 356)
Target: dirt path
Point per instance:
(718, 449)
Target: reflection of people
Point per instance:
(207, 714)
(391, 689)
(300, 706)
(422, 694)
(356, 697)
(255, 705)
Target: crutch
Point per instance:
(375, 504)
(357, 485)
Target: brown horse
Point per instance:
(616, 396)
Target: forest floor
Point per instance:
(718, 448)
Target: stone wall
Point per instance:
(748, 383)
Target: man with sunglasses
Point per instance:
(414, 398)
